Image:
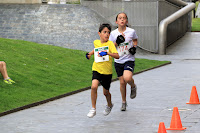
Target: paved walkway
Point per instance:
(159, 90)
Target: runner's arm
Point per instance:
(90, 53)
(115, 44)
(135, 42)
(114, 55)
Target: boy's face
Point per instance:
(122, 19)
(104, 34)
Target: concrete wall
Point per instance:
(144, 16)
(35, 1)
(66, 25)
(21, 1)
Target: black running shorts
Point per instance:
(105, 80)
(129, 65)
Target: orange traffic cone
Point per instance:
(194, 99)
(176, 121)
(161, 128)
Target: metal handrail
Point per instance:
(165, 22)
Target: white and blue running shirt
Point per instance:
(130, 34)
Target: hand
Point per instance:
(132, 50)
(103, 53)
(86, 55)
(120, 39)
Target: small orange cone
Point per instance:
(176, 121)
(161, 128)
(194, 99)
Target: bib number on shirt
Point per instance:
(97, 57)
(123, 49)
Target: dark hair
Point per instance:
(102, 26)
(121, 13)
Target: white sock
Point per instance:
(123, 101)
(7, 78)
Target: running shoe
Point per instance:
(11, 80)
(107, 110)
(8, 81)
(133, 92)
(124, 105)
(92, 113)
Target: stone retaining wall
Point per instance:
(21, 1)
(69, 26)
(36, 1)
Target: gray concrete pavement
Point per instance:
(159, 90)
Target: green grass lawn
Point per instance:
(44, 71)
(196, 24)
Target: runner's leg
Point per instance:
(3, 69)
(128, 78)
(122, 88)
(94, 88)
(108, 97)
